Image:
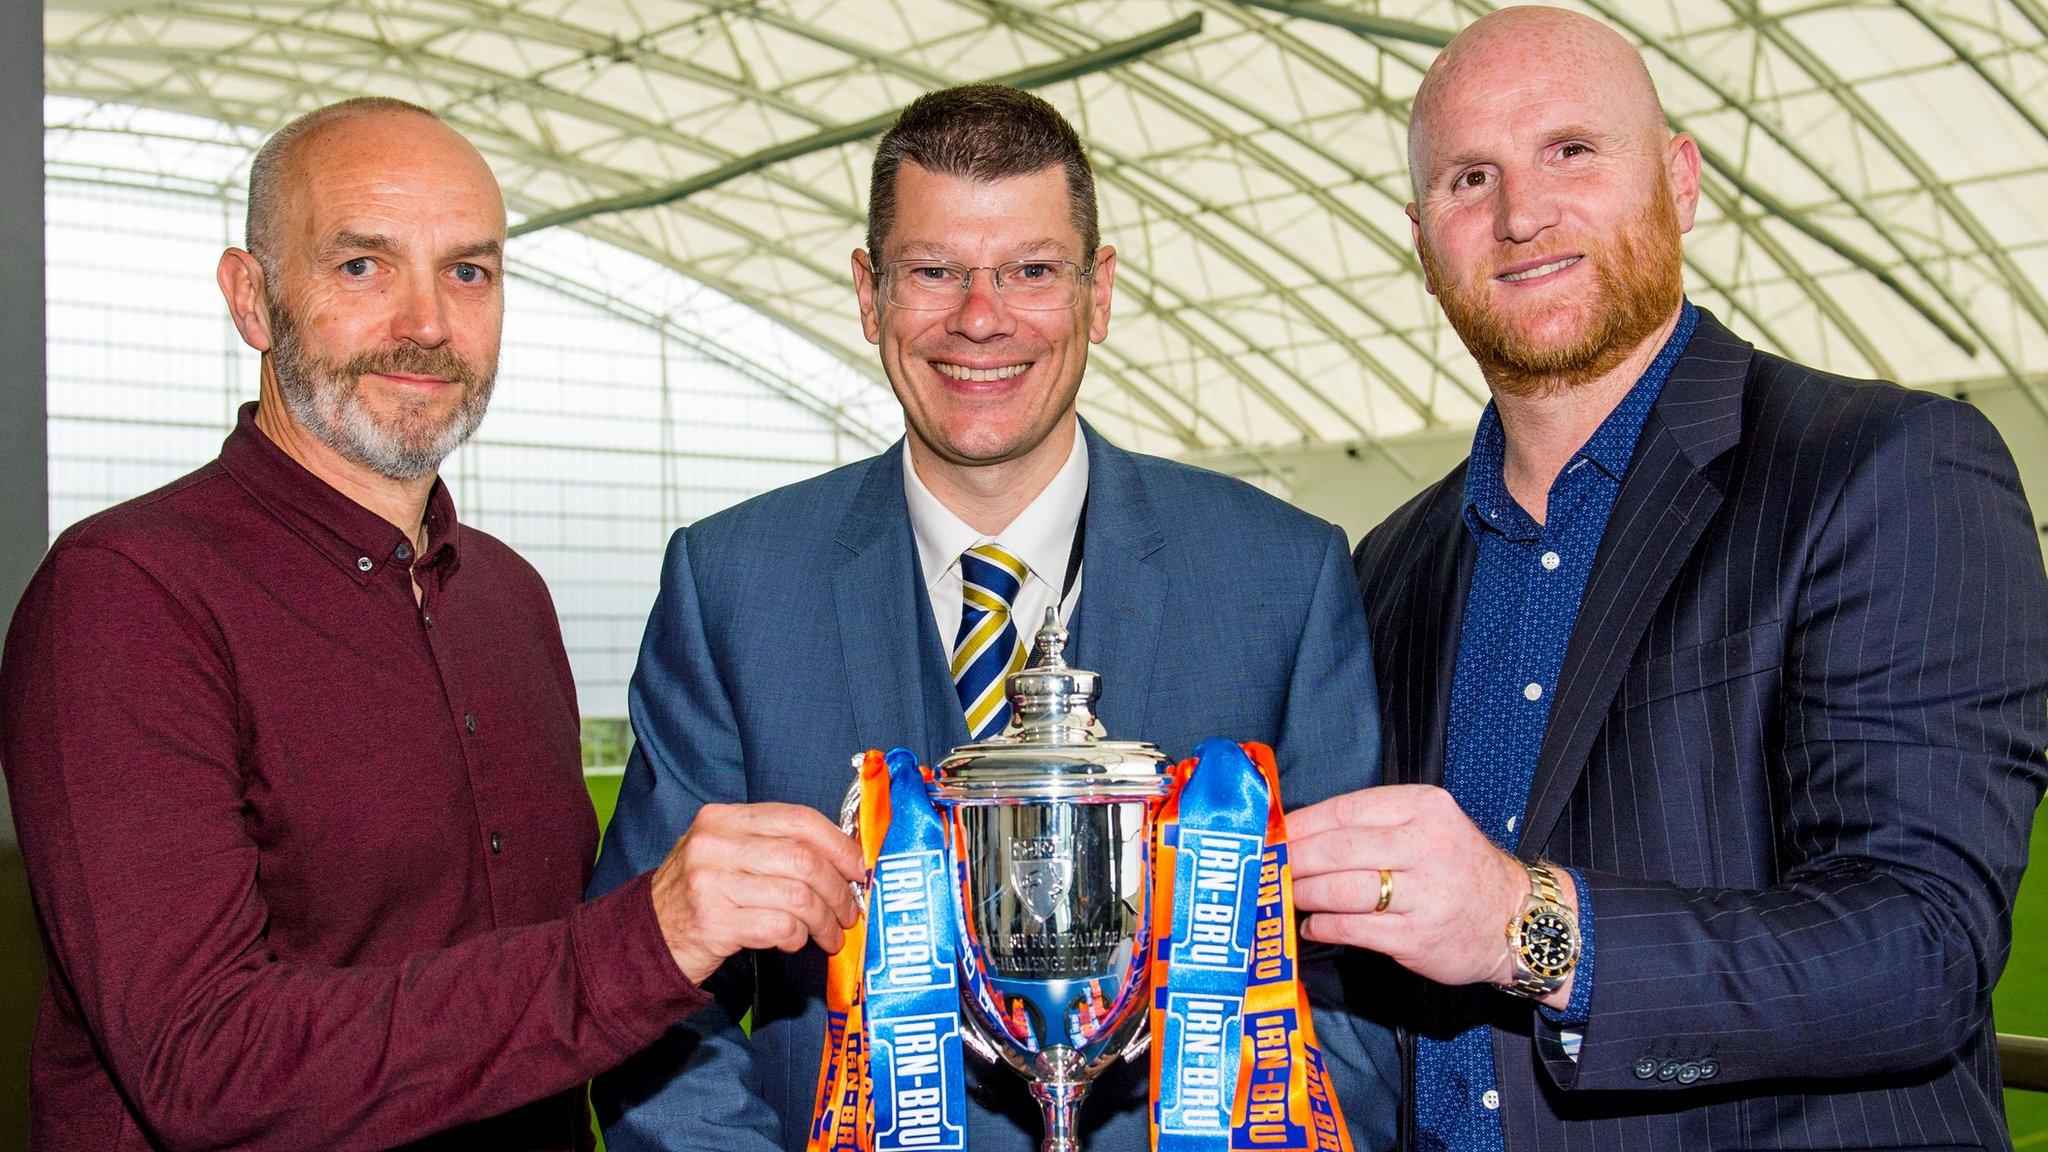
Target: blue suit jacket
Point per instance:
(794, 631)
(1796, 749)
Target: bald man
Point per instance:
(1717, 686)
(294, 755)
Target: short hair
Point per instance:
(273, 161)
(982, 132)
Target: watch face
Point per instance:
(1548, 943)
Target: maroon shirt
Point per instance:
(307, 854)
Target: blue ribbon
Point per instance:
(1219, 841)
(912, 1003)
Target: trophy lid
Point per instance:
(1054, 747)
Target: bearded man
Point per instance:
(1716, 687)
(294, 755)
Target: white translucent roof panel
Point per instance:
(1876, 199)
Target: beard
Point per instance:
(324, 396)
(1639, 283)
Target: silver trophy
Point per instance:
(1055, 824)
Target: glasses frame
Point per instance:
(1082, 274)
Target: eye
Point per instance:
(1573, 149)
(1031, 271)
(469, 273)
(360, 266)
(1476, 178)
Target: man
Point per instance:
(293, 754)
(802, 627)
(1716, 683)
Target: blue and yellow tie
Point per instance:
(987, 649)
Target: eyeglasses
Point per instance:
(941, 285)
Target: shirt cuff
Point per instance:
(629, 976)
(1575, 1012)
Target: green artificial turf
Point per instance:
(2021, 1001)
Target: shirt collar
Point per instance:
(1042, 535)
(1610, 447)
(337, 527)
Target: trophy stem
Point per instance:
(1059, 1095)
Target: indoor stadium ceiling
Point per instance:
(1876, 198)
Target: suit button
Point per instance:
(1689, 1074)
(1709, 1069)
(1669, 1071)
(1646, 1069)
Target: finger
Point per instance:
(807, 827)
(1341, 850)
(1366, 808)
(1373, 933)
(1349, 893)
(794, 875)
(763, 928)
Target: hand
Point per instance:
(755, 876)
(1454, 892)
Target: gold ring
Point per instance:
(1386, 891)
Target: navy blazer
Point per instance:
(794, 631)
(1797, 750)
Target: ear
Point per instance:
(865, 287)
(1682, 169)
(1100, 288)
(1415, 239)
(241, 284)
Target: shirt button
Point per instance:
(1512, 821)
(1550, 561)
(428, 617)
(364, 564)
(497, 845)
(469, 721)
(404, 552)
(1532, 692)
(1491, 1099)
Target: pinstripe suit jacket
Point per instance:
(1797, 750)
(794, 630)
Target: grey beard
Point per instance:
(323, 398)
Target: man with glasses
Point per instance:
(881, 604)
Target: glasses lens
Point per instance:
(1038, 283)
(926, 284)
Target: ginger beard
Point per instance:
(1639, 282)
(325, 397)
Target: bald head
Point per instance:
(1505, 54)
(377, 124)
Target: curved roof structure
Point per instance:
(1876, 198)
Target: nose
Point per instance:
(419, 312)
(1524, 208)
(983, 314)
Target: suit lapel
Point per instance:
(1445, 577)
(1665, 503)
(895, 665)
(1116, 624)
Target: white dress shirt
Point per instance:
(1042, 536)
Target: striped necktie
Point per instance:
(987, 649)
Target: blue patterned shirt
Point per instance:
(1527, 581)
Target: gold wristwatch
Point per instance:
(1544, 939)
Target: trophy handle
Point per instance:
(1139, 1045)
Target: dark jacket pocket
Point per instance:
(1757, 648)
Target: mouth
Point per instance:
(1526, 273)
(972, 375)
(413, 380)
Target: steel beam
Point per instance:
(1080, 64)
